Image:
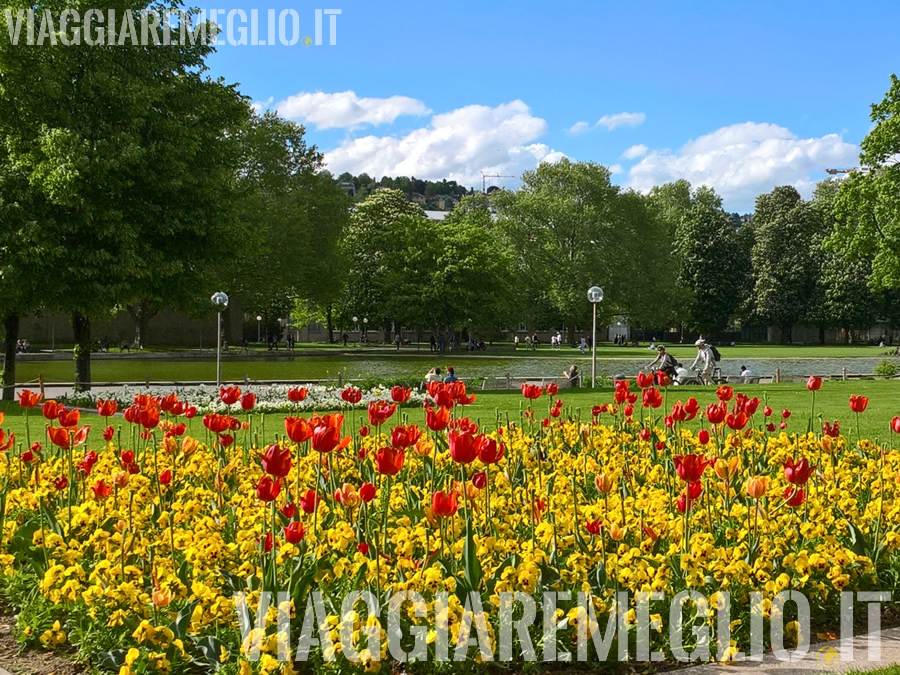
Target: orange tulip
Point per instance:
(604, 483)
(756, 486)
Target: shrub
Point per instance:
(886, 369)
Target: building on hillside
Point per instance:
(348, 187)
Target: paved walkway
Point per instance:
(822, 657)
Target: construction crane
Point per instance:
(485, 176)
(834, 172)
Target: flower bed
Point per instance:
(139, 555)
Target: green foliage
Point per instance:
(784, 259)
(886, 369)
(868, 206)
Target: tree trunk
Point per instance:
(329, 322)
(10, 338)
(570, 332)
(226, 328)
(141, 313)
(786, 337)
(81, 327)
(821, 335)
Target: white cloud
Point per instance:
(635, 151)
(259, 106)
(579, 128)
(456, 145)
(742, 161)
(621, 120)
(342, 110)
(616, 168)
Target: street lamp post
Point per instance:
(258, 329)
(220, 302)
(366, 329)
(595, 296)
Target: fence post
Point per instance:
(40, 382)
(844, 373)
(340, 381)
(777, 375)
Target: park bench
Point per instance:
(510, 382)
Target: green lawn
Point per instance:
(831, 403)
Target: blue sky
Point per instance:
(740, 96)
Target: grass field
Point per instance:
(831, 404)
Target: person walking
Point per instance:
(516, 343)
(433, 344)
(706, 360)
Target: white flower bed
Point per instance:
(269, 398)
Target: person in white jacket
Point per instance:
(706, 360)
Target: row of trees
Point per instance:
(130, 180)
(671, 257)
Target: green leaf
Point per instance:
(180, 625)
(471, 564)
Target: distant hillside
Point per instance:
(431, 195)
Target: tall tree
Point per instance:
(133, 149)
(784, 268)
(570, 229)
(868, 205)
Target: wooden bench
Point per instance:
(510, 382)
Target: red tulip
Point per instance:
(443, 505)
(703, 436)
(268, 489)
(437, 420)
(463, 446)
(678, 413)
(309, 501)
(288, 510)
(767, 412)
(691, 409)
(276, 461)
(149, 418)
(364, 431)
(101, 489)
(267, 542)
(737, 422)
(226, 440)
(380, 412)
(858, 404)
(770, 427)
(645, 380)
(28, 399)
(60, 437)
(404, 437)
(297, 395)
(297, 429)
(400, 394)
(552, 389)
(367, 492)
(229, 395)
(716, 413)
(108, 433)
(165, 477)
(363, 548)
(662, 379)
(479, 479)
(690, 467)
(794, 497)
(68, 418)
(645, 434)
(797, 472)
(489, 450)
(628, 410)
(832, 430)
(725, 393)
(593, 527)
(785, 413)
(531, 391)
(51, 409)
(814, 383)
(895, 425)
(389, 461)
(248, 401)
(652, 398)
(294, 533)
(107, 408)
(326, 438)
(351, 395)
(61, 483)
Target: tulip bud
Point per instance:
(756, 486)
